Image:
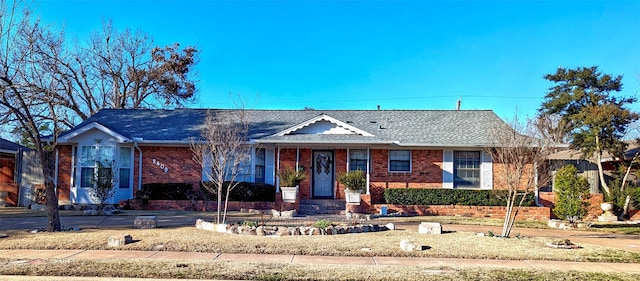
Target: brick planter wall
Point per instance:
(186, 205)
(526, 213)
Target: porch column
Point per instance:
(278, 168)
(368, 168)
(297, 158)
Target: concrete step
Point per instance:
(321, 206)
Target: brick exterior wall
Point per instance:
(167, 165)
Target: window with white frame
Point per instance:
(466, 169)
(260, 166)
(358, 159)
(400, 160)
(124, 163)
(89, 158)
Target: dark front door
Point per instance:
(323, 174)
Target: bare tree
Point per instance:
(224, 153)
(47, 83)
(517, 155)
(26, 89)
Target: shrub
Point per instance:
(167, 191)
(353, 180)
(465, 197)
(291, 177)
(323, 223)
(244, 192)
(572, 194)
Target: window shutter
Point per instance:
(486, 171)
(269, 169)
(447, 169)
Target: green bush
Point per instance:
(165, 191)
(353, 180)
(572, 194)
(465, 197)
(244, 192)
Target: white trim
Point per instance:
(447, 169)
(324, 117)
(486, 171)
(93, 125)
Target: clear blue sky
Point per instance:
(396, 54)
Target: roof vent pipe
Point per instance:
(378, 107)
(458, 104)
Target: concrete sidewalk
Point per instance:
(453, 263)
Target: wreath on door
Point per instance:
(323, 161)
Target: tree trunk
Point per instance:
(53, 222)
(598, 152)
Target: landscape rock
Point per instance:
(119, 240)
(90, 212)
(390, 226)
(430, 228)
(410, 245)
(145, 222)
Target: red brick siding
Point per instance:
(64, 171)
(178, 161)
(426, 172)
(526, 213)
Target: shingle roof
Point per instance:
(6, 145)
(404, 127)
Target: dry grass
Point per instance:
(271, 271)
(386, 243)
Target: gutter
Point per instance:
(135, 144)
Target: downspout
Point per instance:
(135, 144)
(535, 182)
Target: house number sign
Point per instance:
(160, 165)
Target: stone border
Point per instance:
(293, 230)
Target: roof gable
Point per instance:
(88, 127)
(324, 125)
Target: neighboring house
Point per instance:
(587, 166)
(396, 148)
(10, 157)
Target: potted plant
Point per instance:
(289, 183)
(354, 183)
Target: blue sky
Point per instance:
(396, 54)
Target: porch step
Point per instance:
(321, 206)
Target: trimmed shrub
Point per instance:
(165, 191)
(464, 197)
(572, 194)
(244, 192)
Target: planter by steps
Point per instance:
(289, 193)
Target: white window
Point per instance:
(260, 166)
(124, 163)
(466, 169)
(400, 160)
(90, 156)
(358, 159)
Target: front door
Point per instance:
(323, 174)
